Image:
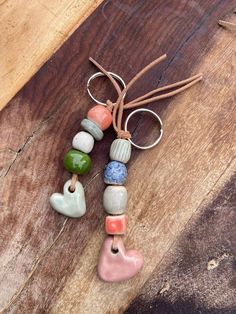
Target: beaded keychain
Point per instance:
(77, 161)
(115, 263)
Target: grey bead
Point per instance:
(115, 199)
(120, 150)
(92, 128)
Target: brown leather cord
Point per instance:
(119, 106)
(110, 105)
(228, 25)
(163, 96)
(116, 239)
(113, 81)
(74, 179)
(161, 89)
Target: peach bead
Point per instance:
(116, 225)
(101, 116)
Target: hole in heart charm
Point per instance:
(71, 204)
(120, 265)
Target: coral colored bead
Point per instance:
(101, 116)
(116, 224)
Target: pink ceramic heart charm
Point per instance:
(115, 267)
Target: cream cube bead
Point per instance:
(115, 199)
(83, 141)
(120, 150)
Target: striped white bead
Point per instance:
(120, 150)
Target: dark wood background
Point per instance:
(181, 193)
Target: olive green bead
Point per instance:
(77, 162)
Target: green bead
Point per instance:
(77, 162)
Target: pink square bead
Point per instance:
(116, 225)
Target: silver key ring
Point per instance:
(158, 120)
(95, 75)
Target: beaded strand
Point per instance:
(78, 162)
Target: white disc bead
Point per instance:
(83, 141)
(120, 150)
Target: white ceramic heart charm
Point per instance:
(71, 204)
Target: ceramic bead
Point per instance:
(116, 267)
(116, 225)
(77, 162)
(120, 150)
(83, 141)
(115, 199)
(101, 116)
(92, 128)
(115, 173)
(70, 204)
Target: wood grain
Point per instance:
(31, 31)
(167, 185)
(198, 272)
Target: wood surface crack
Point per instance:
(20, 150)
(47, 8)
(32, 135)
(172, 246)
(40, 258)
(204, 19)
(36, 264)
(222, 174)
(197, 28)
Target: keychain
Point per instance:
(115, 263)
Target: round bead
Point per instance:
(77, 162)
(120, 150)
(83, 141)
(115, 199)
(92, 128)
(115, 173)
(101, 116)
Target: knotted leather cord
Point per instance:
(119, 106)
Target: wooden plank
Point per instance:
(197, 275)
(166, 185)
(31, 31)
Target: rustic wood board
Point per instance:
(31, 31)
(197, 274)
(176, 190)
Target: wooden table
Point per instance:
(181, 193)
(31, 31)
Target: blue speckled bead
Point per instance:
(115, 173)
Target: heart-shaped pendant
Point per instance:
(120, 265)
(71, 204)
